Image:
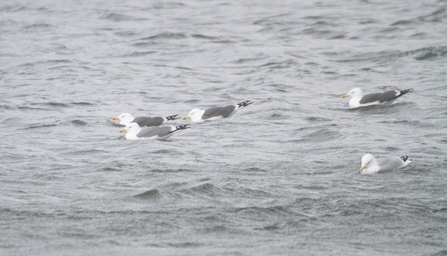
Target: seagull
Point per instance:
(142, 121)
(197, 115)
(371, 165)
(384, 98)
(135, 132)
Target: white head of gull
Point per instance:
(124, 118)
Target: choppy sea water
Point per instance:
(280, 177)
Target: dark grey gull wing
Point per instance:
(161, 131)
(389, 164)
(225, 111)
(153, 131)
(387, 96)
(218, 111)
(143, 121)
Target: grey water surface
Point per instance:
(280, 177)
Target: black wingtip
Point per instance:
(183, 126)
(404, 158)
(245, 103)
(173, 117)
(406, 91)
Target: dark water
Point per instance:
(278, 178)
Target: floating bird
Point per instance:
(371, 165)
(144, 121)
(197, 115)
(135, 132)
(384, 98)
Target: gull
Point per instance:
(371, 165)
(135, 132)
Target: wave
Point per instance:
(321, 135)
(429, 53)
(37, 26)
(164, 36)
(436, 16)
(121, 17)
(171, 170)
(421, 54)
(153, 194)
(36, 126)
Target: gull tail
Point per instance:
(405, 91)
(174, 130)
(406, 160)
(180, 127)
(173, 117)
(244, 104)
